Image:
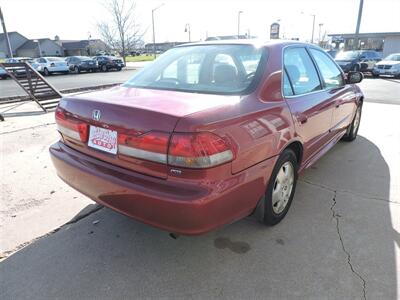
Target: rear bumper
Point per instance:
(392, 72)
(187, 207)
(58, 69)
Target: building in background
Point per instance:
(24, 47)
(40, 47)
(16, 41)
(385, 42)
(161, 47)
(83, 47)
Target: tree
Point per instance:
(122, 33)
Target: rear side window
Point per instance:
(331, 74)
(301, 71)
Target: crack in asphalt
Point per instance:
(26, 128)
(336, 216)
(75, 220)
(322, 186)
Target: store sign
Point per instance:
(274, 31)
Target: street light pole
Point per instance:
(6, 35)
(39, 49)
(313, 27)
(238, 33)
(154, 33)
(187, 29)
(319, 33)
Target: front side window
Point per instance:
(331, 74)
(301, 71)
(221, 69)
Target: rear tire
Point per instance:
(104, 68)
(77, 70)
(352, 130)
(281, 188)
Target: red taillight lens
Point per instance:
(198, 150)
(72, 128)
(149, 146)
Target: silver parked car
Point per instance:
(390, 65)
(49, 65)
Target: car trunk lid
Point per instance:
(140, 118)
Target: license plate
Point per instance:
(103, 139)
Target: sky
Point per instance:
(77, 19)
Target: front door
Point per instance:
(340, 94)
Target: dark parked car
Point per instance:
(208, 133)
(78, 64)
(360, 60)
(107, 63)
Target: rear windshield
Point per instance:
(215, 69)
(347, 55)
(394, 57)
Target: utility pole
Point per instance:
(239, 13)
(356, 39)
(10, 54)
(154, 34)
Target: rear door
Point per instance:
(340, 94)
(310, 105)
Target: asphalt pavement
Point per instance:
(340, 239)
(9, 88)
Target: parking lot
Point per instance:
(340, 239)
(9, 88)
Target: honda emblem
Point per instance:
(96, 115)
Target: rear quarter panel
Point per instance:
(258, 125)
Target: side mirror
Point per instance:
(354, 77)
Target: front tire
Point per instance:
(352, 130)
(46, 72)
(104, 68)
(281, 188)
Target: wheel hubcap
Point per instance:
(356, 121)
(283, 186)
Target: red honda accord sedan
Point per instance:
(208, 133)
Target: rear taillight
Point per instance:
(70, 127)
(149, 146)
(198, 150)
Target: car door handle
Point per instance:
(338, 104)
(302, 119)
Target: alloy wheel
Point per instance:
(283, 187)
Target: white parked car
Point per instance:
(390, 65)
(49, 65)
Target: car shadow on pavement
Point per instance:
(336, 242)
